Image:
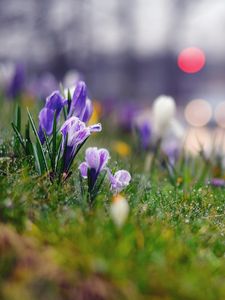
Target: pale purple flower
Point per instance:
(218, 182)
(119, 180)
(74, 133)
(95, 161)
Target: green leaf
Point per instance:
(28, 143)
(36, 157)
(47, 143)
(17, 123)
(54, 142)
(18, 118)
(40, 149)
(40, 158)
(18, 136)
(63, 157)
(58, 154)
(69, 99)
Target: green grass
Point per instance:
(172, 245)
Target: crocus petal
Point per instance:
(119, 181)
(111, 177)
(87, 111)
(55, 102)
(103, 157)
(76, 132)
(71, 127)
(78, 100)
(83, 167)
(81, 136)
(92, 158)
(46, 119)
(41, 135)
(123, 176)
(96, 127)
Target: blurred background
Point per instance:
(123, 49)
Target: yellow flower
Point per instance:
(97, 111)
(179, 180)
(27, 100)
(122, 148)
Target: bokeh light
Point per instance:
(198, 112)
(198, 139)
(219, 114)
(191, 60)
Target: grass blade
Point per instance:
(39, 148)
(54, 137)
(36, 157)
(18, 136)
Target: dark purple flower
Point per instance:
(74, 133)
(119, 180)
(218, 182)
(41, 87)
(78, 101)
(55, 102)
(53, 106)
(17, 83)
(88, 110)
(95, 161)
(126, 115)
(144, 133)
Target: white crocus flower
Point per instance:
(119, 210)
(164, 109)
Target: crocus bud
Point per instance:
(119, 210)
(164, 109)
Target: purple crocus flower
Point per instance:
(78, 101)
(119, 180)
(218, 182)
(42, 86)
(95, 161)
(172, 151)
(144, 132)
(53, 106)
(17, 83)
(126, 115)
(74, 133)
(88, 110)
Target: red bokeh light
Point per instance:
(191, 60)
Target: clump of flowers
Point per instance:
(62, 131)
(95, 168)
(159, 134)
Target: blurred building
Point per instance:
(124, 48)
